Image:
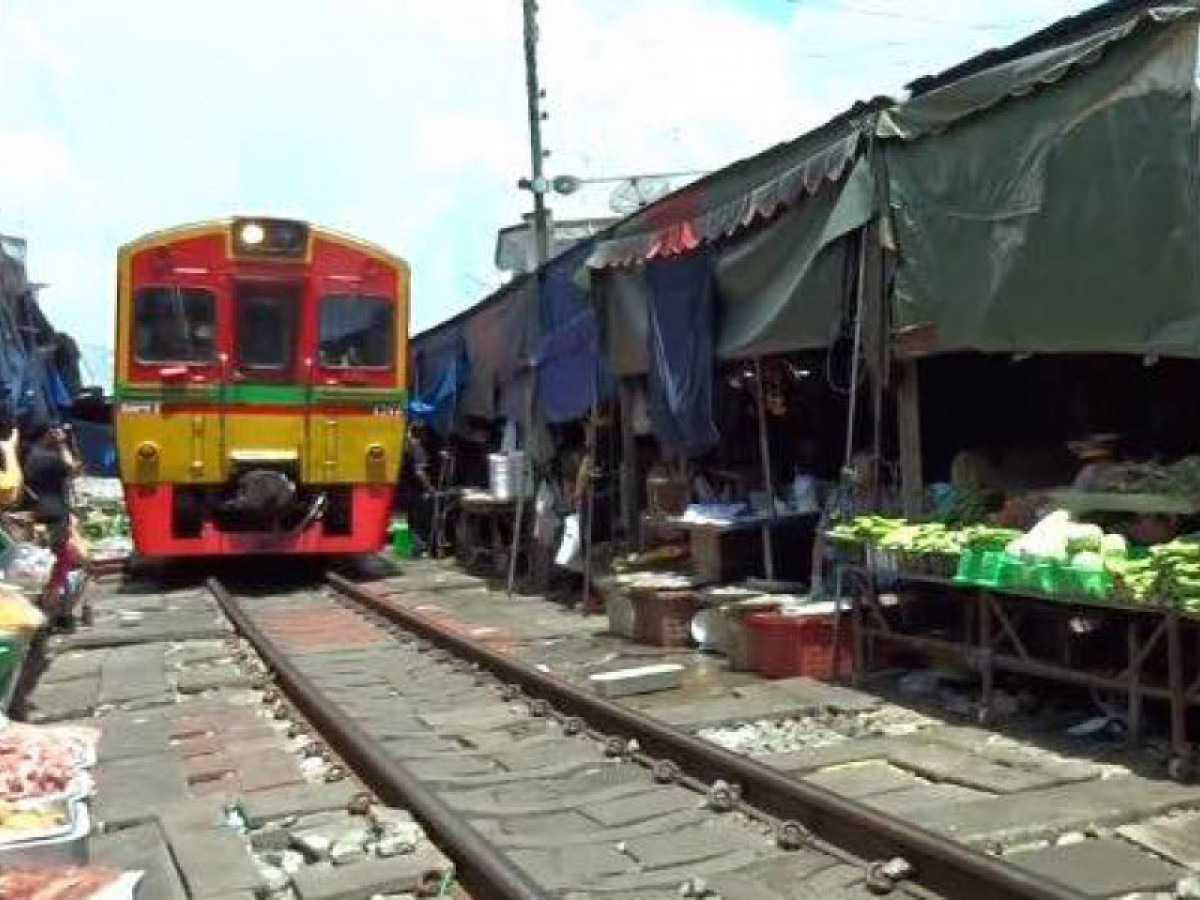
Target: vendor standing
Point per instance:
(416, 487)
(49, 468)
(1099, 455)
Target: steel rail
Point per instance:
(482, 867)
(940, 865)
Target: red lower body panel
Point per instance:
(150, 515)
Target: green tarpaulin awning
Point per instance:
(1050, 202)
(783, 288)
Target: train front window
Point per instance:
(267, 316)
(357, 331)
(174, 325)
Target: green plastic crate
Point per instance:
(979, 567)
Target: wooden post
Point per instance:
(908, 413)
(588, 513)
(1180, 748)
(1134, 673)
(527, 463)
(986, 669)
(629, 463)
(764, 446)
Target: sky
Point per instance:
(404, 121)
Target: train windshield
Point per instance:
(267, 316)
(356, 331)
(175, 325)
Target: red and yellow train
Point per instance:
(260, 388)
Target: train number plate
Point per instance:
(389, 409)
(143, 409)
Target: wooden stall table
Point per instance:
(1004, 630)
(484, 532)
(727, 550)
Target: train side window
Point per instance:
(266, 326)
(174, 325)
(357, 331)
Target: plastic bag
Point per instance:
(545, 515)
(508, 438)
(804, 494)
(29, 567)
(570, 551)
(12, 481)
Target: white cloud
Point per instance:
(26, 44)
(33, 163)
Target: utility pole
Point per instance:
(537, 184)
(541, 242)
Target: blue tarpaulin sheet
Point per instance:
(572, 375)
(441, 372)
(681, 343)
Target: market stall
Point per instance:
(724, 542)
(1065, 602)
(483, 531)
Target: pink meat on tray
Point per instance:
(37, 762)
(73, 883)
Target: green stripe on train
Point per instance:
(261, 394)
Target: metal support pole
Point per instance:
(519, 514)
(541, 236)
(589, 511)
(860, 291)
(764, 447)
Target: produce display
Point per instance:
(900, 535)
(1180, 478)
(41, 761)
(1057, 557)
(1168, 576)
(75, 883)
(1059, 539)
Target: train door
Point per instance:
(264, 418)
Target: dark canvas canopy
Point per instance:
(782, 288)
(1049, 202)
(737, 196)
(776, 224)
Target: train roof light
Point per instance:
(252, 234)
(273, 239)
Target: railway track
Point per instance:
(536, 788)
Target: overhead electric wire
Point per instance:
(930, 20)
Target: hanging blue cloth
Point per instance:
(572, 374)
(681, 340)
(442, 369)
(97, 447)
(59, 394)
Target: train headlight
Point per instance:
(252, 234)
(269, 238)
